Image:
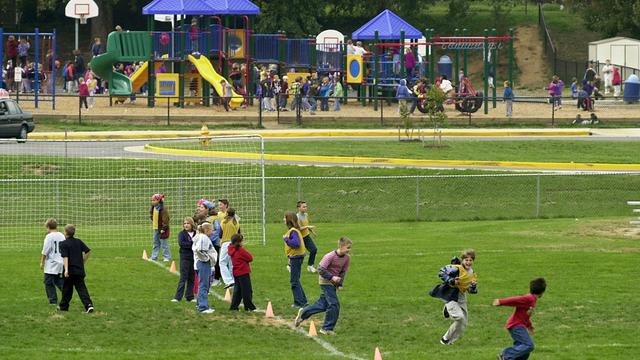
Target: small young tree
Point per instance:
(407, 121)
(435, 109)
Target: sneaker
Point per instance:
(175, 300)
(216, 282)
(166, 260)
(289, 268)
(445, 312)
(90, 310)
(208, 311)
(500, 357)
(299, 318)
(327, 332)
(444, 341)
(311, 269)
(193, 301)
(228, 286)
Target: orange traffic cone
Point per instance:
(172, 268)
(227, 296)
(195, 284)
(144, 255)
(269, 312)
(377, 355)
(312, 329)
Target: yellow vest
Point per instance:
(156, 218)
(304, 221)
(464, 278)
(228, 230)
(289, 251)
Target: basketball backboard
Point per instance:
(81, 9)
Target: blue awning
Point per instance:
(388, 25)
(201, 7)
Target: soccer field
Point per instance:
(588, 311)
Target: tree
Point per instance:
(295, 17)
(611, 17)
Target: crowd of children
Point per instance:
(303, 93)
(212, 236)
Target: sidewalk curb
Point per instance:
(297, 134)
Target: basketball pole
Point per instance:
(76, 34)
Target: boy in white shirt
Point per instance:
(51, 261)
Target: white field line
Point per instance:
(326, 345)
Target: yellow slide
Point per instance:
(208, 73)
(140, 77)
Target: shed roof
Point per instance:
(617, 38)
(388, 25)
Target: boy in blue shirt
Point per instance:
(508, 98)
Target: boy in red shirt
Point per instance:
(83, 91)
(241, 258)
(519, 324)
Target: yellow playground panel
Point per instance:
(167, 86)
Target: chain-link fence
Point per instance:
(453, 197)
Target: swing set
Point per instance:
(44, 44)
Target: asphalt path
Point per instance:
(134, 149)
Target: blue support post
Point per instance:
(53, 72)
(36, 83)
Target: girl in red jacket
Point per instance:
(241, 258)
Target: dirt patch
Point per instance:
(529, 57)
(40, 169)
(606, 230)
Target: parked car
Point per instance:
(14, 123)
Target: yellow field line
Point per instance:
(396, 161)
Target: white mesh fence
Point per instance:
(104, 187)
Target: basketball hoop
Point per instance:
(83, 19)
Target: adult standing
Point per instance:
(51, 261)
(617, 82)
(78, 63)
(409, 63)
(160, 221)
(351, 50)
(96, 47)
(12, 50)
(589, 74)
(607, 75)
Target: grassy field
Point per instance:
(585, 314)
(619, 152)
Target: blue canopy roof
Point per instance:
(388, 25)
(201, 7)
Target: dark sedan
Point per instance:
(14, 123)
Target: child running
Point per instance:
(457, 279)
(519, 324)
(333, 267)
(241, 274)
(307, 230)
(205, 257)
(294, 250)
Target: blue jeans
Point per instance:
(336, 104)
(313, 104)
(299, 298)
(157, 243)
(311, 248)
(522, 344)
(328, 302)
(324, 103)
(204, 272)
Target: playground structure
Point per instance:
(219, 40)
(44, 63)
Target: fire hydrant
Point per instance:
(204, 133)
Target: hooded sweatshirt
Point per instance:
(403, 91)
(240, 258)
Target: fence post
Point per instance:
(553, 111)
(417, 198)
(538, 196)
(299, 188)
(381, 112)
(79, 110)
(260, 111)
(168, 111)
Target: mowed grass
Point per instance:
(587, 312)
(593, 151)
